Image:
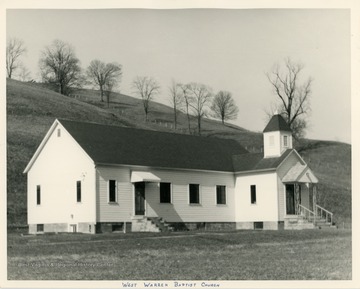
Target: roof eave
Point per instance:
(255, 171)
(41, 146)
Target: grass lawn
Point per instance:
(239, 255)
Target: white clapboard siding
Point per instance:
(60, 164)
(266, 207)
(179, 210)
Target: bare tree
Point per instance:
(293, 96)
(104, 74)
(200, 98)
(23, 74)
(176, 99)
(224, 106)
(186, 98)
(59, 65)
(147, 88)
(14, 49)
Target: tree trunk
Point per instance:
(102, 93)
(199, 124)
(175, 118)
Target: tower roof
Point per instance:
(277, 123)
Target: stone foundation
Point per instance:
(297, 223)
(110, 227)
(267, 225)
(207, 226)
(49, 228)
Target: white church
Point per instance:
(94, 178)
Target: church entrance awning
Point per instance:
(300, 174)
(137, 176)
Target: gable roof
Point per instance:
(277, 123)
(256, 161)
(107, 144)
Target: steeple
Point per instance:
(277, 137)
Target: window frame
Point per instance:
(38, 195)
(115, 191)
(253, 194)
(286, 141)
(198, 194)
(271, 140)
(78, 191)
(217, 196)
(170, 193)
(39, 228)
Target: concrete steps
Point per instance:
(150, 224)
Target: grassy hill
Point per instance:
(32, 107)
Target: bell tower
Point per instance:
(277, 137)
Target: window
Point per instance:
(285, 141)
(221, 195)
(194, 193)
(253, 194)
(165, 192)
(258, 225)
(78, 191)
(59, 132)
(112, 191)
(40, 228)
(271, 140)
(38, 195)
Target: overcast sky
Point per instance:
(225, 49)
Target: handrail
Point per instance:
(327, 213)
(307, 213)
(321, 208)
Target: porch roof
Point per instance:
(137, 176)
(300, 174)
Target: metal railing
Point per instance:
(306, 213)
(324, 214)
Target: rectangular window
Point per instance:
(271, 140)
(285, 140)
(194, 193)
(112, 191)
(165, 192)
(253, 194)
(78, 191)
(58, 132)
(40, 228)
(221, 195)
(38, 195)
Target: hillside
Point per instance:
(32, 107)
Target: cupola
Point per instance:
(277, 137)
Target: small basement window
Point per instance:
(165, 192)
(40, 228)
(258, 225)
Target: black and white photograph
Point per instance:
(180, 145)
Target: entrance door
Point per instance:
(140, 198)
(290, 199)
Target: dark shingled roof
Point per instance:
(256, 161)
(128, 146)
(277, 123)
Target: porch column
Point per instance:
(297, 198)
(314, 199)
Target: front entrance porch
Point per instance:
(301, 208)
(302, 211)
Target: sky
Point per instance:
(226, 49)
